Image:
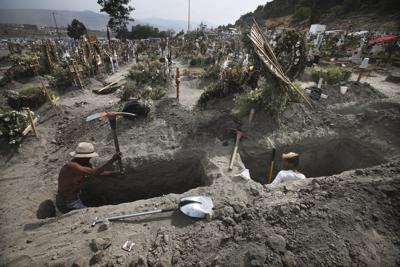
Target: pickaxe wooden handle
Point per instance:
(113, 125)
(239, 136)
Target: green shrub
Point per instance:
(12, 124)
(32, 97)
(303, 13)
(332, 74)
(248, 100)
(129, 90)
(148, 73)
(60, 78)
(25, 58)
(338, 10)
(155, 93)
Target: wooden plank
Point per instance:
(29, 128)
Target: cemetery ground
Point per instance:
(348, 215)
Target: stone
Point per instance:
(97, 258)
(79, 261)
(100, 244)
(229, 221)
(103, 227)
(288, 259)
(277, 242)
(138, 261)
(57, 263)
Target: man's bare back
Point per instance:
(73, 174)
(71, 178)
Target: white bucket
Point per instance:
(343, 89)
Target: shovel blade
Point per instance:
(197, 207)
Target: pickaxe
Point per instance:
(272, 162)
(239, 136)
(112, 118)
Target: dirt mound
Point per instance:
(332, 222)
(357, 92)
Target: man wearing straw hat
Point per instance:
(289, 173)
(73, 174)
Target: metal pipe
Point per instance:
(137, 214)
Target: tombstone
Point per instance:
(356, 57)
(364, 63)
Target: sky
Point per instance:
(214, 12)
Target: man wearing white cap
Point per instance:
(73, 174)
(289, 173)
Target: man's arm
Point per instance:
(97, 170)
(278, 178)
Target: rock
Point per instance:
(229, 221)
(79, 261)
(57, 263)
(238, 207)
(288, 259)
(100, 244)
(97, 258)
(296, 209)
(138, 261)
(254, 257)
(277, 242)
(393, 77)
(359, 172)
(228, 211)
(46, 209)
(103, 227)
(164, 262)
(316, 186)
(254, 191)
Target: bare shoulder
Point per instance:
(71, 166)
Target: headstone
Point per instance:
(364, 63)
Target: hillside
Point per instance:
(92, 20)
(360, 14)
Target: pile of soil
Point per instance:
(357, 92)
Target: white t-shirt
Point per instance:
(286, 176)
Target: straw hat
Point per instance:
(290, 155)
(84, 150)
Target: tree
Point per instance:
(119, 11)
(76, 29)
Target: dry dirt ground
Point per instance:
(347, 216)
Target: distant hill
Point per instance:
(92, 20)
(360, 14)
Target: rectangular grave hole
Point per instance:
(321, 157)
(154, 179)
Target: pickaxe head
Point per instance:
(238, 132)
(109, 115)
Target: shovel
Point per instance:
(195, 207)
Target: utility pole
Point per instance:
(189, 17)
(55, 22)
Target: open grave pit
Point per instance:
(153, 179)
(319, 157)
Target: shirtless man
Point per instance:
(73, 174)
